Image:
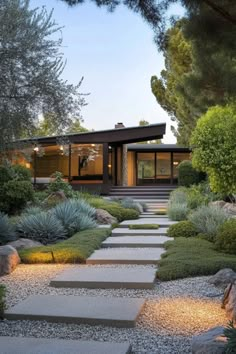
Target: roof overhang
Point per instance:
(112, 136)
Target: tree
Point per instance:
(143, 123)
(214, 147)
(178, 63)
(30, 69)
(212, 13)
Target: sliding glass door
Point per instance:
(145, 168)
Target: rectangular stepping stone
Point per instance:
(92, 277)
(162, 231)
(126, 256)
(19, 345)
(138, 241)
(141, 221)
(97, 310)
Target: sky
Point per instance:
(116, 55)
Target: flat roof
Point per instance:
(158, 147)
(110, 136)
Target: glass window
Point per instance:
(177, 158)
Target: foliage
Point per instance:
(17, 194)
(32, 210)
(182, 229)
(43, 227)
(188, 257)
(57, 184)
(208, 219)
(2, 300)
(214, 148)
(74, 250)
(7, 230)
(114, 209)
(75, 216)
(144, 227)
(129, 203)
(179, 195)
(31, 64)
(177, 211)
(226, 237)
(39, 197)
(15, 187)
(21, 173)
(160, 212)
(230, 334)
(188, 175)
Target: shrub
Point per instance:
(188, 175)
(7, 230)
(43, 227)
(6, 173)
(144, 226)
(73, 250)
(179, 196)
(226, 237)
(230, 334)
(57, 184)
(33, 210)
(2, 300)
(39, 197)
(177, 211)
(21, 173)
(17, 194)
(208, 219)
(195, 198)
(214, 145)
(182, 229)
(75, 215)
(114, 209)
(131, 204)
(188, 257)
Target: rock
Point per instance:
(230, 208)
(218, 203)
(103, 217)
(229, 301)
(223, 278)
(9, 259)
(55, 198)
(210, 342)
(23, 243)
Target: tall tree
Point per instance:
(30, 67)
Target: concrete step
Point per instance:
(162, 222)
(126, 256)
(140, 197)
(150, 216)
(96, 310)
(137, 241)
(19, 345)
(162, 231)
(105, 278)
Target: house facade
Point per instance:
(99, 160)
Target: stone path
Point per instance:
(60, 346)
(125, 246)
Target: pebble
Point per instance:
(174, 311)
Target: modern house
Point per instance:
(101, 159)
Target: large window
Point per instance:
(163, 167)
(146, 167)
(177, 158)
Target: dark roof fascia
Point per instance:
(120, 135)
(157, 147)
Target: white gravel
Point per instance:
(174, 312)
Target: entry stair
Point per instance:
(160, 193)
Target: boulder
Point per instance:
(230, 208)
(9, 259)
(23, 243)
(210, 342)
(103, 217)
(229, 301)
(223, 278)
(218, 203)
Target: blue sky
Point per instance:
(116, 55)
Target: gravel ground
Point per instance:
(174, 312)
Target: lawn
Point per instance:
(188, 257)
(2, 300)
(73, 250)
